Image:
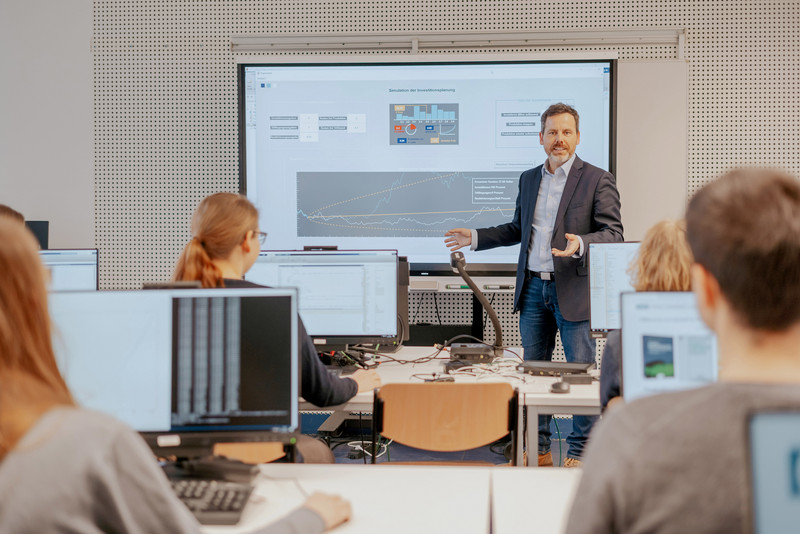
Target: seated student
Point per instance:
(663, 263)
(68, 469)
(225, 244)
(678, 462)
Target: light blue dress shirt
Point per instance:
(540, 256)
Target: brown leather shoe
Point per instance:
(572, 462)
(546, 460)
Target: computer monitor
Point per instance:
(347, 297)
(186, 368)
(71, 269)
(608, 279)
(774, 458)
(665, 345)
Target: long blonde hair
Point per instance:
(30, 382)
(220, 223)
(664, 260)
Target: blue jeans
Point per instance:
(539, 319)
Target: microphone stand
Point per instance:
(459, 265)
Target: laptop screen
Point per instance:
(665, 345)
(608, 279)
(774, 439)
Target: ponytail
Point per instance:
(195, 264)
(219, 224)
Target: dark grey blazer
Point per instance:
(589, 208)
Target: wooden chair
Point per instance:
(445, 417)
(251, 453)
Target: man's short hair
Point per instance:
(7, 211)
(558, 109)
(744, 228)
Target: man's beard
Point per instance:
(557, 161)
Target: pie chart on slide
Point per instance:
(411, 129)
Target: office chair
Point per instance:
(445, 417)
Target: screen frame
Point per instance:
(327, 343)
(96, 251)
(755, 418)
(186, 443)
(632, 296)
(443, 268)
(603, 332)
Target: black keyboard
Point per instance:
(213, 502)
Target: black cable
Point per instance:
(436, 307)
(485, 311)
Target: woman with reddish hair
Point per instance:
(68, 469)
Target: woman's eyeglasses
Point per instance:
(262, 236)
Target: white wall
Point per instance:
(46, 109)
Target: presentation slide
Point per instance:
(393, 155)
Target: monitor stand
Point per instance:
(211, 467)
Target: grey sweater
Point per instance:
(674, 463)
(82, 471)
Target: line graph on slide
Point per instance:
(402, 204)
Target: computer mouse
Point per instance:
(559, 387)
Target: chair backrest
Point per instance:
(445, 416)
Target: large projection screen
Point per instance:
(392, 155)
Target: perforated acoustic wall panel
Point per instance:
(165, 95)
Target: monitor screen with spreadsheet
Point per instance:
(71, 269)
(665, 345)
(187, 368)
(608, 279)
(346, 296)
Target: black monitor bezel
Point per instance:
(183, 442)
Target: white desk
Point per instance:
(385, 498)
(528, 500)
(419, 499)
(534, 392)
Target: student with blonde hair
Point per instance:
(225, 244)
(663, 263)
(68, 469)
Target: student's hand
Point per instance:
(457, 238)
(367, 380)
(333, 509)
(573, 244)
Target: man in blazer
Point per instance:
(562, 206)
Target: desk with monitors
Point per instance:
(347, 297)
(608, 279)
(71, 269)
